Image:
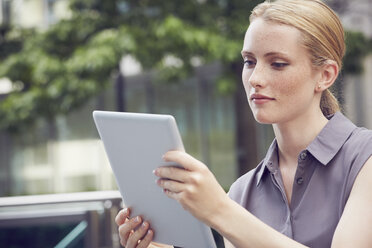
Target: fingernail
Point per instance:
(144, 225)
(138, 219)
(125, 210)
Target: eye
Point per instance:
(279, 65)
(250, 63)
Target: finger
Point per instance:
(126, 228)
(135, 238)
(173, 195)
(170, 185)
(171, 172)
(145, 242)
(122, 216)
(187, 161)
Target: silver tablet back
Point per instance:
(134, 144)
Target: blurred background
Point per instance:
(62, 59)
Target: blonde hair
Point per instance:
(322, 34)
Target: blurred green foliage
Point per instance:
(57, 70)
(357, 47)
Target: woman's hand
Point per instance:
(141, 237)
(129, 237)
(193, 186)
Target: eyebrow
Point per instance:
(269, 54)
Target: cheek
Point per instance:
(288, 86)
(245, 78)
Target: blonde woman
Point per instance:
(313, 188)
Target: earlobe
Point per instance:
(329, 73)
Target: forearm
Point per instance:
(244, 230)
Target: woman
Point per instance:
(312, 188)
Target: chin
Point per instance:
(264, 121)
(263, 118)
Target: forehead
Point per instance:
(263, 37)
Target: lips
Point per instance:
(259, 99)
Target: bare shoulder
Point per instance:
(355, 226)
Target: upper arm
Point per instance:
(157, 245)
(227, 243)
(355, 226)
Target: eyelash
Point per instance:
(249, 62)
(277, 65)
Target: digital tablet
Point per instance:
(134, 144)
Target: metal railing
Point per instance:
(92, 212)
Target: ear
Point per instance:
(328, 75)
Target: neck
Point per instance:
(295, 135)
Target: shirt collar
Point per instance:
(270, 161)
(332, 137)
(323, 148)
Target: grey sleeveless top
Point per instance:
(324, 178)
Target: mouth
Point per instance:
(258, 98)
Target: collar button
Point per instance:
(300, 180)
(303, 156)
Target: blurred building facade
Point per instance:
(357, 15)
(33, 13)
(33, 163)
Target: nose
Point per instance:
(255, 78)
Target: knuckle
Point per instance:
(195, 178)
(170, 171)
(138, 234)
(175, 153)
(165, 172)
(122, 231)
(165, 183)
(189, 192)
(169, 184)
(125, 229)
(136, 237)
(203, 168)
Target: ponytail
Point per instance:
(328, 103)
